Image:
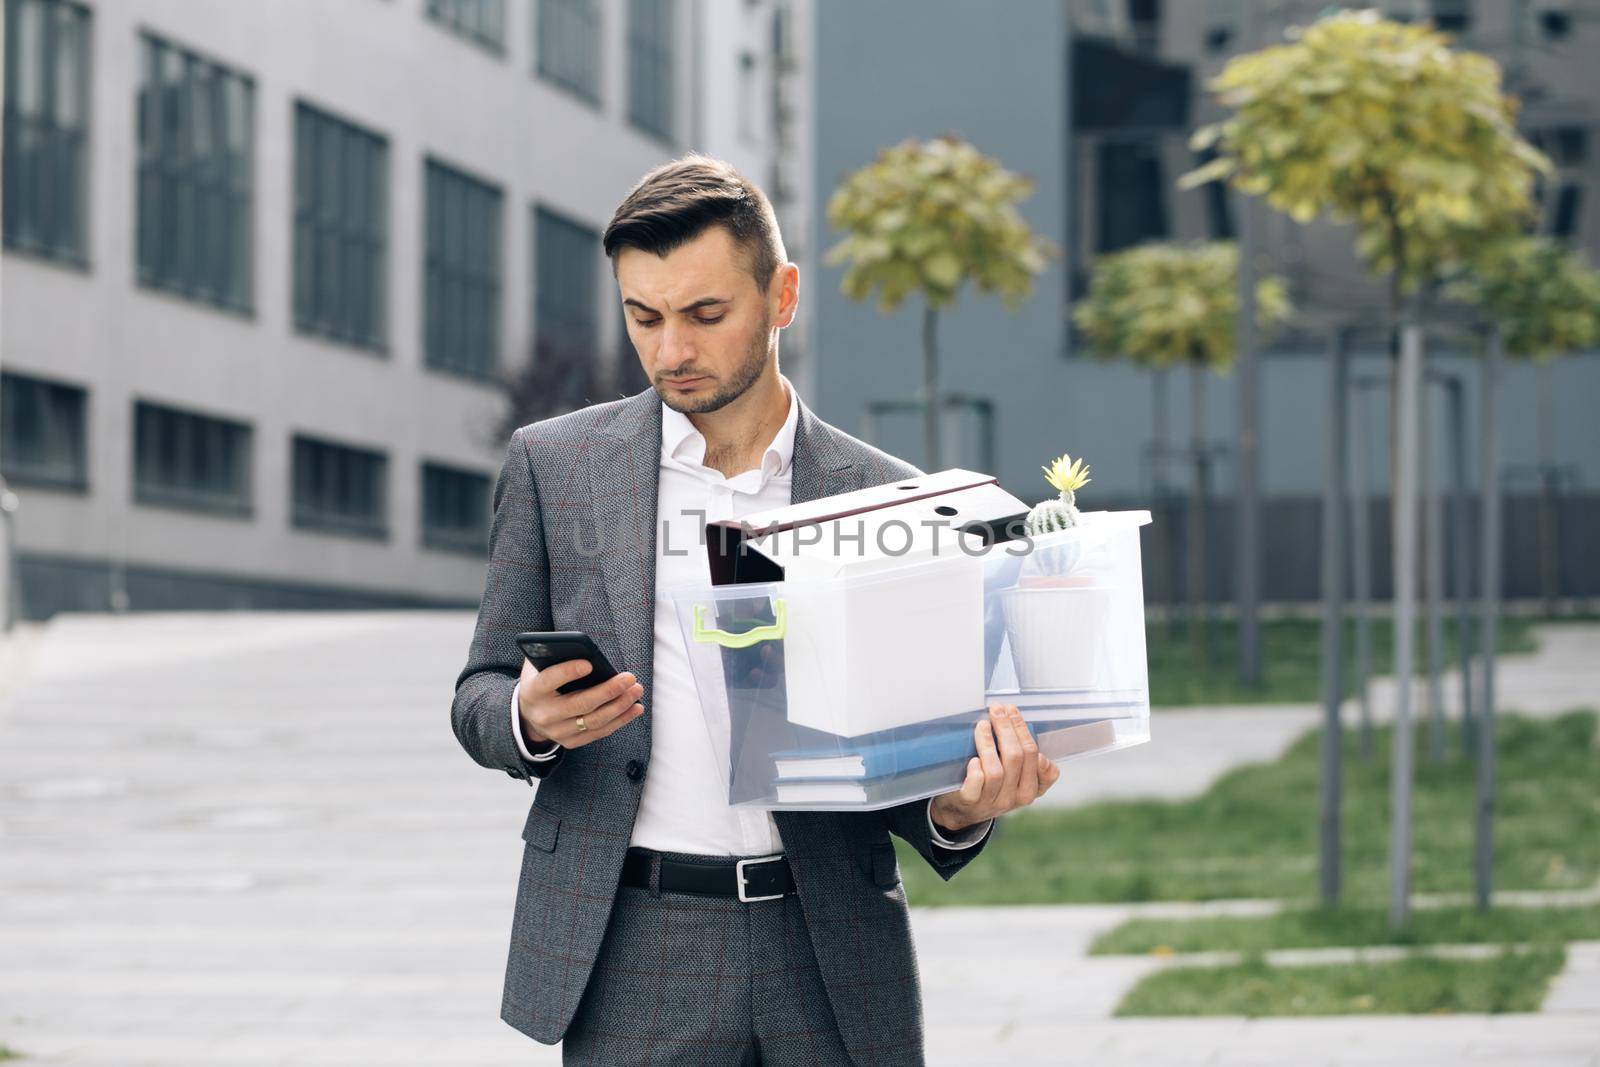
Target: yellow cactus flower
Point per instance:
(1067, 475)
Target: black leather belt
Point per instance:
(754, 878)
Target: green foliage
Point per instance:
(1340, 927)
(1420, 985)
(1254, 832)
(1543, 294)
(1162, 303)
(1383, 125)
(925, 217)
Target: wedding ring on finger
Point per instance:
(581, 726)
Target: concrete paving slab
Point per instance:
(251, 839)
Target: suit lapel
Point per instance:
(821, 467)
(624, 465)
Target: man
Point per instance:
(635, 938)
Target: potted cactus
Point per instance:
(1055, 614)
(1066, 476)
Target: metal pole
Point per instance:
(1165, 568)
(1247, 498)
(1549, 536)
(1361, 564)
(1333, 620)
(1195, 526)
(930, 391)
(1432, 570)
(1460, 547)
(1483, 837)
(1408, 379)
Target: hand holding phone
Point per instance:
(569, 693)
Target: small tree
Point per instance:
(924, 218)
(1384, 126)
(1542, 294)
(1164, 305)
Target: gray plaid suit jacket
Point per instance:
(564, 480)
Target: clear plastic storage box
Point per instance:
(859, 688)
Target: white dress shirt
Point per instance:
(684, 806)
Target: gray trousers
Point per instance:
(689, 979)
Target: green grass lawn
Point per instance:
(1331, 927)
(1254, 832)
(1291, 658)
(1415, 986)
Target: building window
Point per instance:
(480, 21)
(455, 509)
(566, 319)
(461, 300)
(1451, 16)
(43, 432)
(181, 459)
(1554, 20)
(1568, 149)
(568, 45)
(1571, 145)
(1132, 195)
(339, 488)
(46, 126)
(1219, 212)
(196, 127)
(341, 198)
(1222, 21)
(651, 44)
(1569, 206)
(1144, 20)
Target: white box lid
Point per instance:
(849, 533)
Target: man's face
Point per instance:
(702, 327)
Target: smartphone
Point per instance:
(546, 649)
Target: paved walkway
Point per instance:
(252, 839)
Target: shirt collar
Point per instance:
(681, 441)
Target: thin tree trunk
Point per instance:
(1333, 581)
(1488, 635)
(930, 390)
(1197, 515)
(1549, 540)
(1361, 565)
(1432, 566)
(1407, 385)
(1166, 568)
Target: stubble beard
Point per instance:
(745, 375)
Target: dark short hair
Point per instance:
(678, 201)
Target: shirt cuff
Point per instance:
(516, 732)
(964, 839)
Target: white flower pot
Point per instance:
(1058, 559)
(1058, 635)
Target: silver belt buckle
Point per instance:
(738, 874)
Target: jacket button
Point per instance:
(635, 770)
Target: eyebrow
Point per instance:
(705, 301)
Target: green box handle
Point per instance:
(773, 631)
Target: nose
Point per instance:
(676, 347)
